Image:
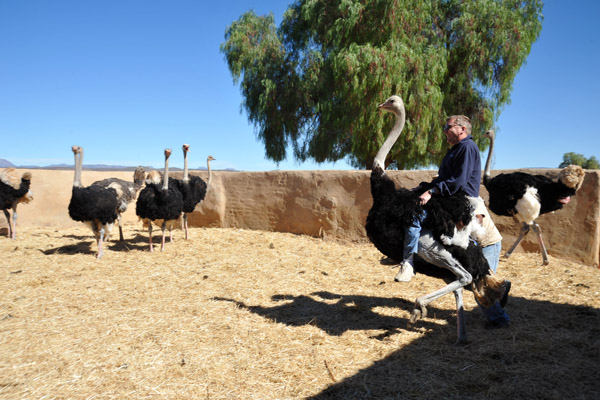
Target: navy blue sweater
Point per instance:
(460, 169)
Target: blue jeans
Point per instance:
(412, 234)
(492, 254)
(495, 312)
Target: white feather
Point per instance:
(528, 207)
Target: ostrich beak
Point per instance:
(384, 106)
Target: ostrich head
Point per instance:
(395, 105)
(210, 158)
(186, 148)
(490, 135)
(572, 176)
(139, 175)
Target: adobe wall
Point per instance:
(328, 204)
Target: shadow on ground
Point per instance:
(551, 351)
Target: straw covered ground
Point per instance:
(238, 314)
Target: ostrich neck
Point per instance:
(488, 162)
(389, 141)
(185, 167)
(209, 175)
(78, 165)
(166, 178)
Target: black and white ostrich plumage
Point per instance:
(161, 204)
(441, 244)
(526, 196)
(93, 205)
(126, 192)
(193, 188)
(13, 190)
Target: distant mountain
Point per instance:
(5, 163)
(97, 167)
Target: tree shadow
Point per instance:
(549, 351)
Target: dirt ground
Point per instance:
(240, 314)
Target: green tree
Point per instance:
(315, 81)
(579, 159)
(591, 163)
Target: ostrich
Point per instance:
(93, 205)
(126, 192)
(161, 205)
(13, 190)
(393, 209)
(526, 196)
(192, 188)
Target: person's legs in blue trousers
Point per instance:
(411, 246)
(495, 314)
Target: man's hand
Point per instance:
(424, 198)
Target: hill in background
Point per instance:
(97, 167)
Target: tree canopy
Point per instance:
(579, 159)
(315, 81)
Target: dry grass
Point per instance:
(234, 314)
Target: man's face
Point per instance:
(453, 132)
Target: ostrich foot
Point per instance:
(461, 341)
(545, 262)
(419, 312)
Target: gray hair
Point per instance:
(462, 121)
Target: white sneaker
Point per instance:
(406, 272)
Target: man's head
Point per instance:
(457, 128)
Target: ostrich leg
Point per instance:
(461, 326)
(163, 227)
(100, 237)
(120, 228)
(434, 253)
(538, 230)
(185, 225)
(11, 231)
(524, 231)
(150, 235)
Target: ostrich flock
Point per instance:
(162, 203)
(444, 243)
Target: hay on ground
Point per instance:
(237, 314)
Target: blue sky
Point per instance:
(126, 79)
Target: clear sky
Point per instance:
(127, 78)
